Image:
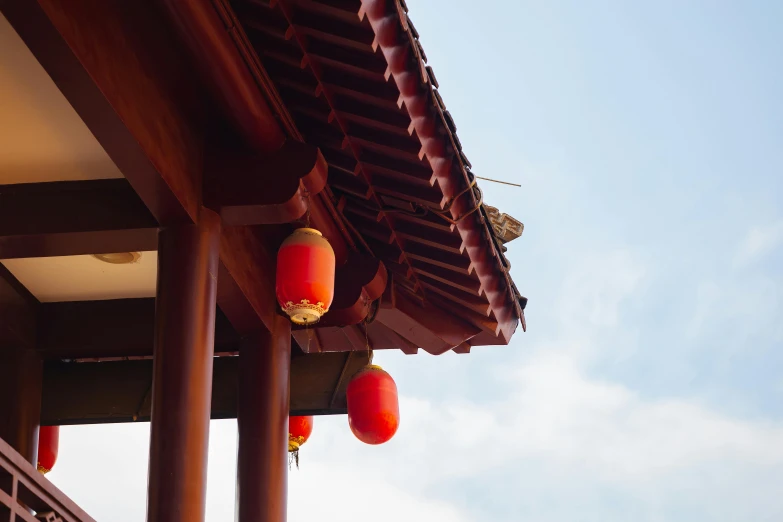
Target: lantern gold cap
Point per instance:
(295, 442)
(306, 230)
(304, 312)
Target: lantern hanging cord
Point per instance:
(373, 313)
(367, 321)
(367, 342)
(307, 208)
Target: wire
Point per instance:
(498, 181)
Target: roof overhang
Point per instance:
(263, 111)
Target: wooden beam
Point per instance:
(211, 37)
(255, 189)
(120, 391)
(18, 313)
(250, 263)
(73, 218)
(110, 329)
(120, 328)
(122, 71)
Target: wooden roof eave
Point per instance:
(250, 100)
(286, 16)
(394, 37)
(233, 71)
(247, 83)
(289, 51)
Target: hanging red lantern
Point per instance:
(299, 430)
(48, 446)
(373, 409)
(305, 276)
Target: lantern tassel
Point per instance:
(293, 458)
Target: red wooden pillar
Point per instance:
(20, 400)
(182, 371)
(262, 467)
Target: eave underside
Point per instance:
(330, 68)
(442, 283)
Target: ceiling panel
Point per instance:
(41, 136)
(85, 278)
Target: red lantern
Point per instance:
(373, 410)
(48, 445)
(305, 276)
(299, 430)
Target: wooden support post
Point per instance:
(264, 387)
(20, 401)
(182, 370)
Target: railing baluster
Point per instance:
(23, 488)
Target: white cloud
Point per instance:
(352, 492)
(620, 436)
(742, 309)
(599, 283)
(759, 242)
(593, 298)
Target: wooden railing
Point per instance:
(27, 496)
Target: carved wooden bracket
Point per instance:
(358, 282)
(248, 188)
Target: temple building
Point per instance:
(220, 209)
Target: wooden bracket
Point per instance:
(255, 189)
(359, 282)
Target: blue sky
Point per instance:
(647, 137)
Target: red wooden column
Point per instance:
(20, 400)
(264, 387)
(182, 370)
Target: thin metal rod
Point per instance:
(498, 181)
